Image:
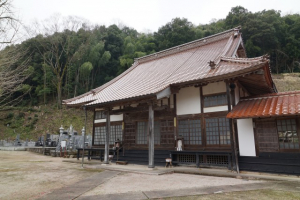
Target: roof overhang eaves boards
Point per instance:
(130, 100)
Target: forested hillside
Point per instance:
(69, 57)
(66, 56)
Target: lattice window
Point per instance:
(190, 130)
(167, 131)
(100, 115)
(183, 158)
(141, 133)
(100, 134)
(287, 133)
(99, 137)
(267, 136)
(215, 100)
(217, 160)
(118, 132)
(217, 131)
(156, 132)
(130, 133)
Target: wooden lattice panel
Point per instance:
(217, 160)
(187, 158)
(167, 131)
(130, 133)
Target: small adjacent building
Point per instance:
(223, 106)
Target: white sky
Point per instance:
(145, 15)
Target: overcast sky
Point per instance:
(145, 15)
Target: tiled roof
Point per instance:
(185, 63)
(270, 105)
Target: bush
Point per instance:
(21, 115)
(35, 115)
(29, 118)
(10, 115)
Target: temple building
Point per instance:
(222, 106)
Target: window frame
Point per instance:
(100, 114)
(189, 132)
(296, 130)
(212, 95)
(219, 129)
(113, 130)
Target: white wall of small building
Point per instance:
(214, 88)
(246, 137)
(188, 101)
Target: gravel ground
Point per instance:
(27, 175)
(129, 182)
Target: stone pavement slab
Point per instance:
(81, 187)
(123, 196)
(158, 194)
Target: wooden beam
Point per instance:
(151, 136)
(106, 151)
(138, 109)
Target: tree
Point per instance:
(58, 46)
(176, 32)
(13, 71)
(13, 66)
(9, 25)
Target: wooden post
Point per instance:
(106, 151)
(151, 136)
(230, 125)
(231, 102)
(232, 87)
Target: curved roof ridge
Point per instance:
(232, 59)
(189, 45)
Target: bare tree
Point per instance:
(9, 25)
(13, 64)
(13, 72)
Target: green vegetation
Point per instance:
(74, 57)
(67, 62)
(33, 122)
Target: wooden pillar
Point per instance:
(203, 125)
(151, 136)
(234, 128)
(106, 150)
(231, 102)
(230, 125)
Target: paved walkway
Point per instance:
(193, 170)
(158, 194)
(75, 190)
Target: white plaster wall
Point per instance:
(246, 137)
(215, 109)
(188, 101)
(113, 118)
(213, 88)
